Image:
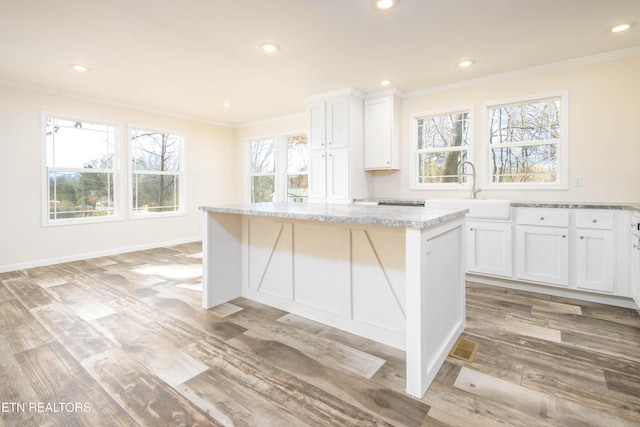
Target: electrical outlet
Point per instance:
(577, 181)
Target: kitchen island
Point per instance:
(388, 273)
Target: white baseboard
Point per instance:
(549, 290)
(98, 254)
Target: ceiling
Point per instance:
(187, 57)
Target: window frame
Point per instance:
(562, 147)
(182, 186)
(249, 174)
(116, 171)
(281, 171)
(283, 194)
(415, 152)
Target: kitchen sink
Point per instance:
(497, 209)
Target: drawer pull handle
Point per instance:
(581, 237)
(471, 229)
(594, 221)
(564, 236)
(541, 218)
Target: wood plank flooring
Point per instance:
(122, 340)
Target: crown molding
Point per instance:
(571, 63)
(102, 101)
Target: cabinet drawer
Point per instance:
(545, 217)
(595, 220)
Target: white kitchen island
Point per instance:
(392, 274)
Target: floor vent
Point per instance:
(465, 350)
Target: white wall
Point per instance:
(210, 169)
(604, 142)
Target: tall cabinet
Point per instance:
(336, 164)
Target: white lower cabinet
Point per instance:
(489, 248)
(595, 267)
(543, 254)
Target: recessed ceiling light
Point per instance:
(227, 104)
(80, 68)
(385, 82)
(622, 27)
(269, 47)
(384, 4)
(466, 63)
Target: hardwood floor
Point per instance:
(122, 340)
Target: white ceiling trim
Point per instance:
(609, 56)
(571, 63)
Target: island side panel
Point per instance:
(221, 258)
(435, 300)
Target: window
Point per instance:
(442, 142)
(525, 141)
(297, 167)
(157, 172)
(278, 168)
(263, 169)
(81, 170)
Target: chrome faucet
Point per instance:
(461, 173)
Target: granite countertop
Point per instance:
(579, 205)
(390, 216)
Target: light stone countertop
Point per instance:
(579, 205)
(389, 216)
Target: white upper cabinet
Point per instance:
(336, 165)
(381, 133)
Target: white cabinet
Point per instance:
(329, 123)
(543, 254)
(594, 251)
(635, 258)
(381, 133)
(336, 170)
(489, 247)
(329, 174)
(542, 246)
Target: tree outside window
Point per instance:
(263, 169)
(524, 140)
(297, 167)
(157, 172)
(442, 144)
(81, 166)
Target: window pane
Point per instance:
(156, 151)
(534, 121)
(80, 194)
(535, 163)
(77, 144)
(297, 186)
(439, 167)
(450, 130)
(297, 153)
(262, 188)
(155, 193)
(263, 155)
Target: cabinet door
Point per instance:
(378, 133)
(543, 254)
(595, 264)
(337, 122)
(489, 248)
(317, 174)
(635, 269)
(338, 174)
(317, 125)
